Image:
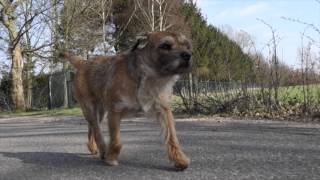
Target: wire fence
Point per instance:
(47, 92)
(212, 97)
(192, 97)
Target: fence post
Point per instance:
(50, 92)
(70, 94)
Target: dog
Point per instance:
(140, 79)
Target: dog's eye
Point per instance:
(165, 46)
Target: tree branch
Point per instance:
(22, 30)
(37, 48)
(303, 22)
(2, 3)
(17, 3)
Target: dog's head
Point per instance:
(166, 53)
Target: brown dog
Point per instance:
(140, 79)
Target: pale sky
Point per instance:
(243, 14)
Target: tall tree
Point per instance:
(24, 22)
(132, 17)
(9, 20)
(83, 25)
(28, 55)
(274, 61)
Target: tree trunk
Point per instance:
(17, 94)
(9, 21)
(160, 16)
(54, 40)
(104, 28)
(152, 15)
(29, 70)
(191, 100)
(65, 86)
(28, 54)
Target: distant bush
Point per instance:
(5, 87)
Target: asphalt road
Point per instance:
(54, 148)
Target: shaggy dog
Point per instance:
(138, 80)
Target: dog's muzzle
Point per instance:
(177, 63)
(186, 56)
(185, 61)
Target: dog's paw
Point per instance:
(112, 162)
(102, 155)
(94, 152)
(92, 148)
(182, 164)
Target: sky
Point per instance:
(243, 14)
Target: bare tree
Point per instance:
(18, 19)
(71, 33)
(242, 38)
(274, 61)
(28, 56)
(306, 63)
(105, 13)
(155, 14)
(78, 24)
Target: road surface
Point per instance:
(54, 148)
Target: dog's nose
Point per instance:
(185, 56)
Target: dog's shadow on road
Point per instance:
(79, 160)
(54, 159)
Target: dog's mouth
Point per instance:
(185, 65)
(177, 63)
(177, 67)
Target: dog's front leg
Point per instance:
(114, 119)
(175, 152)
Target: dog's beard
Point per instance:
(177, 66)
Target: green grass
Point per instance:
(290, 98)
(294, 94)
(76, 111)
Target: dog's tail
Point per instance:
(76, 61)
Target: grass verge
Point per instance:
(76, 111)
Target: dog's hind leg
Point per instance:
(114, 119)
(174, 149)
(92, 145)
(95, 137)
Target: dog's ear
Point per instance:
(141, 42)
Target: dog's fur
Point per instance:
(138, 80)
